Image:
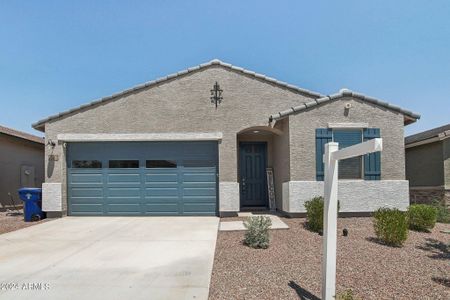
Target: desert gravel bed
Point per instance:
(10, 222)
(290, 268)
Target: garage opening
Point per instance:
(142, 178)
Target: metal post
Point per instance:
(330, 223)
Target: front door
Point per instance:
(253, 162)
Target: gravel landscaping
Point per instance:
(290, 268)
(13, 221)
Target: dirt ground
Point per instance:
(291, 267)
(10, 221)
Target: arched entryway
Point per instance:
(255, 156)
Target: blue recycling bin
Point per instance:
(32, 208)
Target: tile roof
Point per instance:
(424, 135)
(22, 135)
(343, 93)
(38, 125)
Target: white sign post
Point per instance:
(331, 157)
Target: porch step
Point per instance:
(277, 223)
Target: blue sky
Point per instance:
(55, 55)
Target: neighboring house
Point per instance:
(21, 163)
(428, 165)
(165, 148)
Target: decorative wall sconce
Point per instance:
(51, 144)
(216, 94)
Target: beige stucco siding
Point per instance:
(181, 105)
(14, 153)
(302, 136)
(446, 152)
(281, 159)
(424, 165)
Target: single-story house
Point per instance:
(21, 163)
(428, 165)
(198, 142)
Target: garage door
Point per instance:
(142, 178)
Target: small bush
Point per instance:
(422, 217)
(346, 295)
(314, 213)
(442, 212)
(257, 234)
(391, 226)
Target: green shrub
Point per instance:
(442, 212)
(314, 213)
(257, 234)
(346, 295)
(391, 226)
(422, 217)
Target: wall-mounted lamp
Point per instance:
(51, 144)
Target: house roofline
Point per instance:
(21, 135)
(410, 116)
(40, 125)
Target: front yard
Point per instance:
(14, 221)
(290, 268)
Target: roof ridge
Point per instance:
(212, 62)
(343, 93)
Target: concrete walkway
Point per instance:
(109, 258)
(277, 223)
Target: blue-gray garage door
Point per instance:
(142, 178)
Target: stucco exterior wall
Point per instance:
(14, 153)
(180, 105)
(446, 157)
(425, 165)
(302, 136)
(281, 163)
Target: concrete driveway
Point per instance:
(109, 258)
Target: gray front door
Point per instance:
(253, 162)
(142, 178)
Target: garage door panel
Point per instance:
(155, 208)
(200, 208)
(124, 192)
(117, 178)
(161, 191)
(160, 199)
(87, 208)
(124, 207)
(199, 191)
(142, 178)
(161, 177)
(199, 199)
(87, 200)
(86, 178)
(87, 192)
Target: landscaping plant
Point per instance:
(422, 217)
(391, 226)
(442, 212)
(257, 234)
(346, 295)
(314, 213)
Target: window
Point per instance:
(350, 168)
(123, 164)
(153, 164)
(367, 167)
(86, 164)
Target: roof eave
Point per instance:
(409, 117)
